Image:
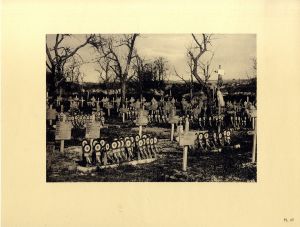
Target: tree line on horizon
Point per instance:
(121, 67)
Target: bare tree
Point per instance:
(106, 76)
(139, 68)
(187, 83)
(206, 69)
(195, 54)
(109, 48)
(104, 71)
(254, 66)
(197, 65)
(253, 69)
(58, 55)
(190, 65)
(150, 74)
(160, 68)
(72, 69)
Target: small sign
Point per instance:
(63, 130)
(187, 139)
(93, 130)
(174, 119)
(141, 121)
(51, 114)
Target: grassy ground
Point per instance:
(229, 165)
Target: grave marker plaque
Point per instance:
(93, 130)
(63, 130)
(174, 119)
(51, 114)
(187, 139)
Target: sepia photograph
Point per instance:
(150, 114)
(151, 107)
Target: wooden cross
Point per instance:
(58, 100)
(81, 100)
(98, 101)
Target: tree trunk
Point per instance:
(192, 85)
(123, 92)
(141, 87)
(210, 101)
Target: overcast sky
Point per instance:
(232, 51)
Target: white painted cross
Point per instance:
(58, 100)
(174, 119)
(81, 101)
(126, 103)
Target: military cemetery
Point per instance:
(118, 109)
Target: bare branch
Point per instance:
(197, 42)
(194, 54)
(180, 77)
(77, 48)
(49, 55)
(48, 66)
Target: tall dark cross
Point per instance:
(221, 73)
